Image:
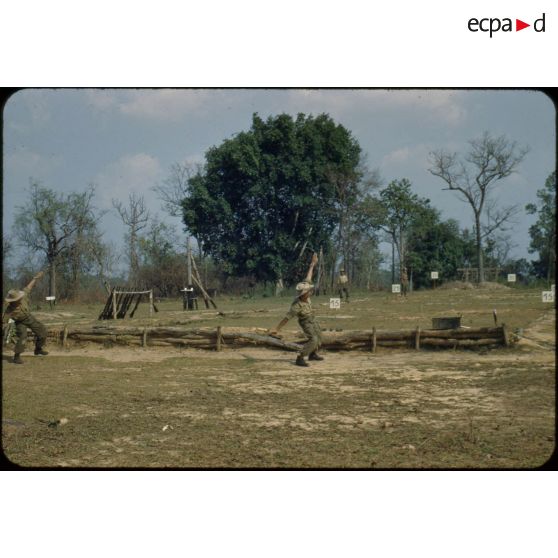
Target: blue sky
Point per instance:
(126, 140)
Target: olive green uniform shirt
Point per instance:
(302, 310)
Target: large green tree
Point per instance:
(543, 232)
(268, 194)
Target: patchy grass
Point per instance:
(253, 409)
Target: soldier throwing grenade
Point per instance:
(18, 310)
(302, 309)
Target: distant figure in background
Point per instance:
(343, 284)
(302, 309)
(18, 310)
(404, 281)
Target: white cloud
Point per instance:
(444, 105)
(152, 104)
(131, 173)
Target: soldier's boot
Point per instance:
(315, 356)
(17, 359)
(40, 351)
(300, 361)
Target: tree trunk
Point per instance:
(480, 261)
(52, 278)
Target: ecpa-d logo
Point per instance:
(492, 25)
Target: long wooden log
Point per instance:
(452, 333)
(460, 342)
(235, 336)
(265, 340)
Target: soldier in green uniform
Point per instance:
(302, 309)
(343, 284)
(18, 310)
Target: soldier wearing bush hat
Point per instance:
(302, 309)
(18, 310)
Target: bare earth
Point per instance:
(252, 408)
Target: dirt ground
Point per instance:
(252, 408)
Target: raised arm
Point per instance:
(34, 280)
(311, 268)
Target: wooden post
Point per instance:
(65, 336)
(219, 339)
(189, 255)
(114, 305)
(144, 337)
(417, 338)
(373, 339)
(151, 303)
(506, 335)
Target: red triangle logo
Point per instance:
(519, 25)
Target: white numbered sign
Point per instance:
(396, 288)
(335, 303)
(511, 278)
(51, 298)
(547, 296)
(433, 275)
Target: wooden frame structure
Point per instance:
(194, 275)
(120, 300)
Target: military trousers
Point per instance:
(314, 334)
(344, 290)
(36, 327)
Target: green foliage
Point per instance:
(266, 192)
(441, 247)
(543, 232)
(402, 215)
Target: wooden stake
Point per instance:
(114, 305)
(506, 335)
(374, 339)
(219, 339)
(144, 338)
(151, 304)
(204, 294)
(65, 336)
(417, 338)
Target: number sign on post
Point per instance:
(511, 277)
(396, 288)
(548, 296)
(335, 303)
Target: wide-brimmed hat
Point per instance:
(304, 287)
(14, 295)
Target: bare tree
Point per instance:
(175, 188)
(473, 178)
(135, 216)
(86, 247)
(54, 225)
